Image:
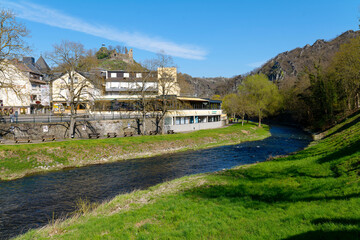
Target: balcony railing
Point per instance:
(120, 89)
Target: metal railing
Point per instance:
(66, 117)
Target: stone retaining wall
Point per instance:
(60, 129)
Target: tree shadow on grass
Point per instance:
(331, 234)
(346, 126)
(342, 221)
(272, 187)
(292, 171)
(327, 235)
(270, 194)
(343, 152)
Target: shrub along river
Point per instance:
(31, 202)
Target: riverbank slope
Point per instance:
(313, 194)
(20, 160)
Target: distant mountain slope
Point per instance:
(285, 68)
(208, 87)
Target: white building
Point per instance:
(15, 90)
(194, 114)
(39, 94)
(116, 91)
(84, 88)
(122, 90)
(22, 87)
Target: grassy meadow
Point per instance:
(20, 160)
(314, 194)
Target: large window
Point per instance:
(214, 118)
(138, 75)
(34, 87)
(202, 119)
(150, 85)
(191, 119)
(168, 121)
(182, 120)
(114, 84)
(126, 75)
(132, 85)
(113, 75)
(75, 81)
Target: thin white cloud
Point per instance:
(256, 64)
(37, 13)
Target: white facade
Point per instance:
(15, 90)
(168, 84)
(121, 84)
(194, 126)
(61, 88)
(191, 120)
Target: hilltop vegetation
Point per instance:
(314, 194)
(115, 64)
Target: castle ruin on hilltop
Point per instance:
(126, 56)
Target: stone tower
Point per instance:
(131, 54)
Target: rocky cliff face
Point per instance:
(285, 68)
(208, 87)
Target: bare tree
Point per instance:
(120, 49)
(12, 35)
(153, 87)
(70, 59)
(168, 88)
(143, 86)
(12, 46)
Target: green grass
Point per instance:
(113, 64)
(314, 194)
(20, 160)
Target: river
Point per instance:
(31, 202)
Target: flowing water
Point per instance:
(33, 201)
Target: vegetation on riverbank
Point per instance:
(20, 160)
(314, 194)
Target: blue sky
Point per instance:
(206, 38)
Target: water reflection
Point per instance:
(30, 202)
